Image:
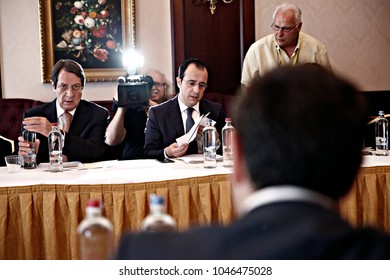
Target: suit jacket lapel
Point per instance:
(51, 112)
(203, 108)
(175, 113)
(80, 119)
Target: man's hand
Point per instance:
(37, 124)
(25, 147)
(174, 150)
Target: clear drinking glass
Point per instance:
(14, 163)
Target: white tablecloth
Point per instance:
(40, 211)
(110, 172)
(369, 161)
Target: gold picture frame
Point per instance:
(96, 47)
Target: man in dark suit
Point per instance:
(168, 121)
(298, 142)
(84, 138)
(128, 125)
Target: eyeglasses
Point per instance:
(193, 83)
(284, 28)
(75, 88)
(157, 84)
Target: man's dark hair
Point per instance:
(70, 66)
(198, 63)
(302, 126)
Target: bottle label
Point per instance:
(381, 141)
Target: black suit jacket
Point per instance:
(165, 124)
(283, 230)
(85, 140)
(134, 123)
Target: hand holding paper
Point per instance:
(190, 135)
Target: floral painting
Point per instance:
(94, 33)
(89, 31)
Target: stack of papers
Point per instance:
(69, 165)
(196, 158)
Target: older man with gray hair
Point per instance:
(286, 46)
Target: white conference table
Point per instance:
(109, 172)
(40, 211)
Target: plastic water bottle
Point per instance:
(55, 140)
(227, 143)
(209, 145)
(158, 220)
(381, 135)
(95, 234)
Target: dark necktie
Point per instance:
(190, 121)
(193, 148)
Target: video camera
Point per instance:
(134, 91)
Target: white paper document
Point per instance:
(190, 135)
(69, 165)
(196, 158)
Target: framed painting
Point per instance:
(95, 33)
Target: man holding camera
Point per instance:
(128, 124)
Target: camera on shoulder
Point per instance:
(133, 91)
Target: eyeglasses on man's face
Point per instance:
(193, 83)
(157, 84)
(283, 28)
(64, 87)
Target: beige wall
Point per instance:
(356, 33)
(20, 48)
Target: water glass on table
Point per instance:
(14, 163)
(30, 160)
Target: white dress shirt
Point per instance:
(284, 193)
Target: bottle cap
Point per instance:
(381, 112)
(54, 124)
(228, 120)
(93, 203)
(156, 199)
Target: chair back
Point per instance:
(11, 113)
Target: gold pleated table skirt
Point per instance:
(40, 222)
